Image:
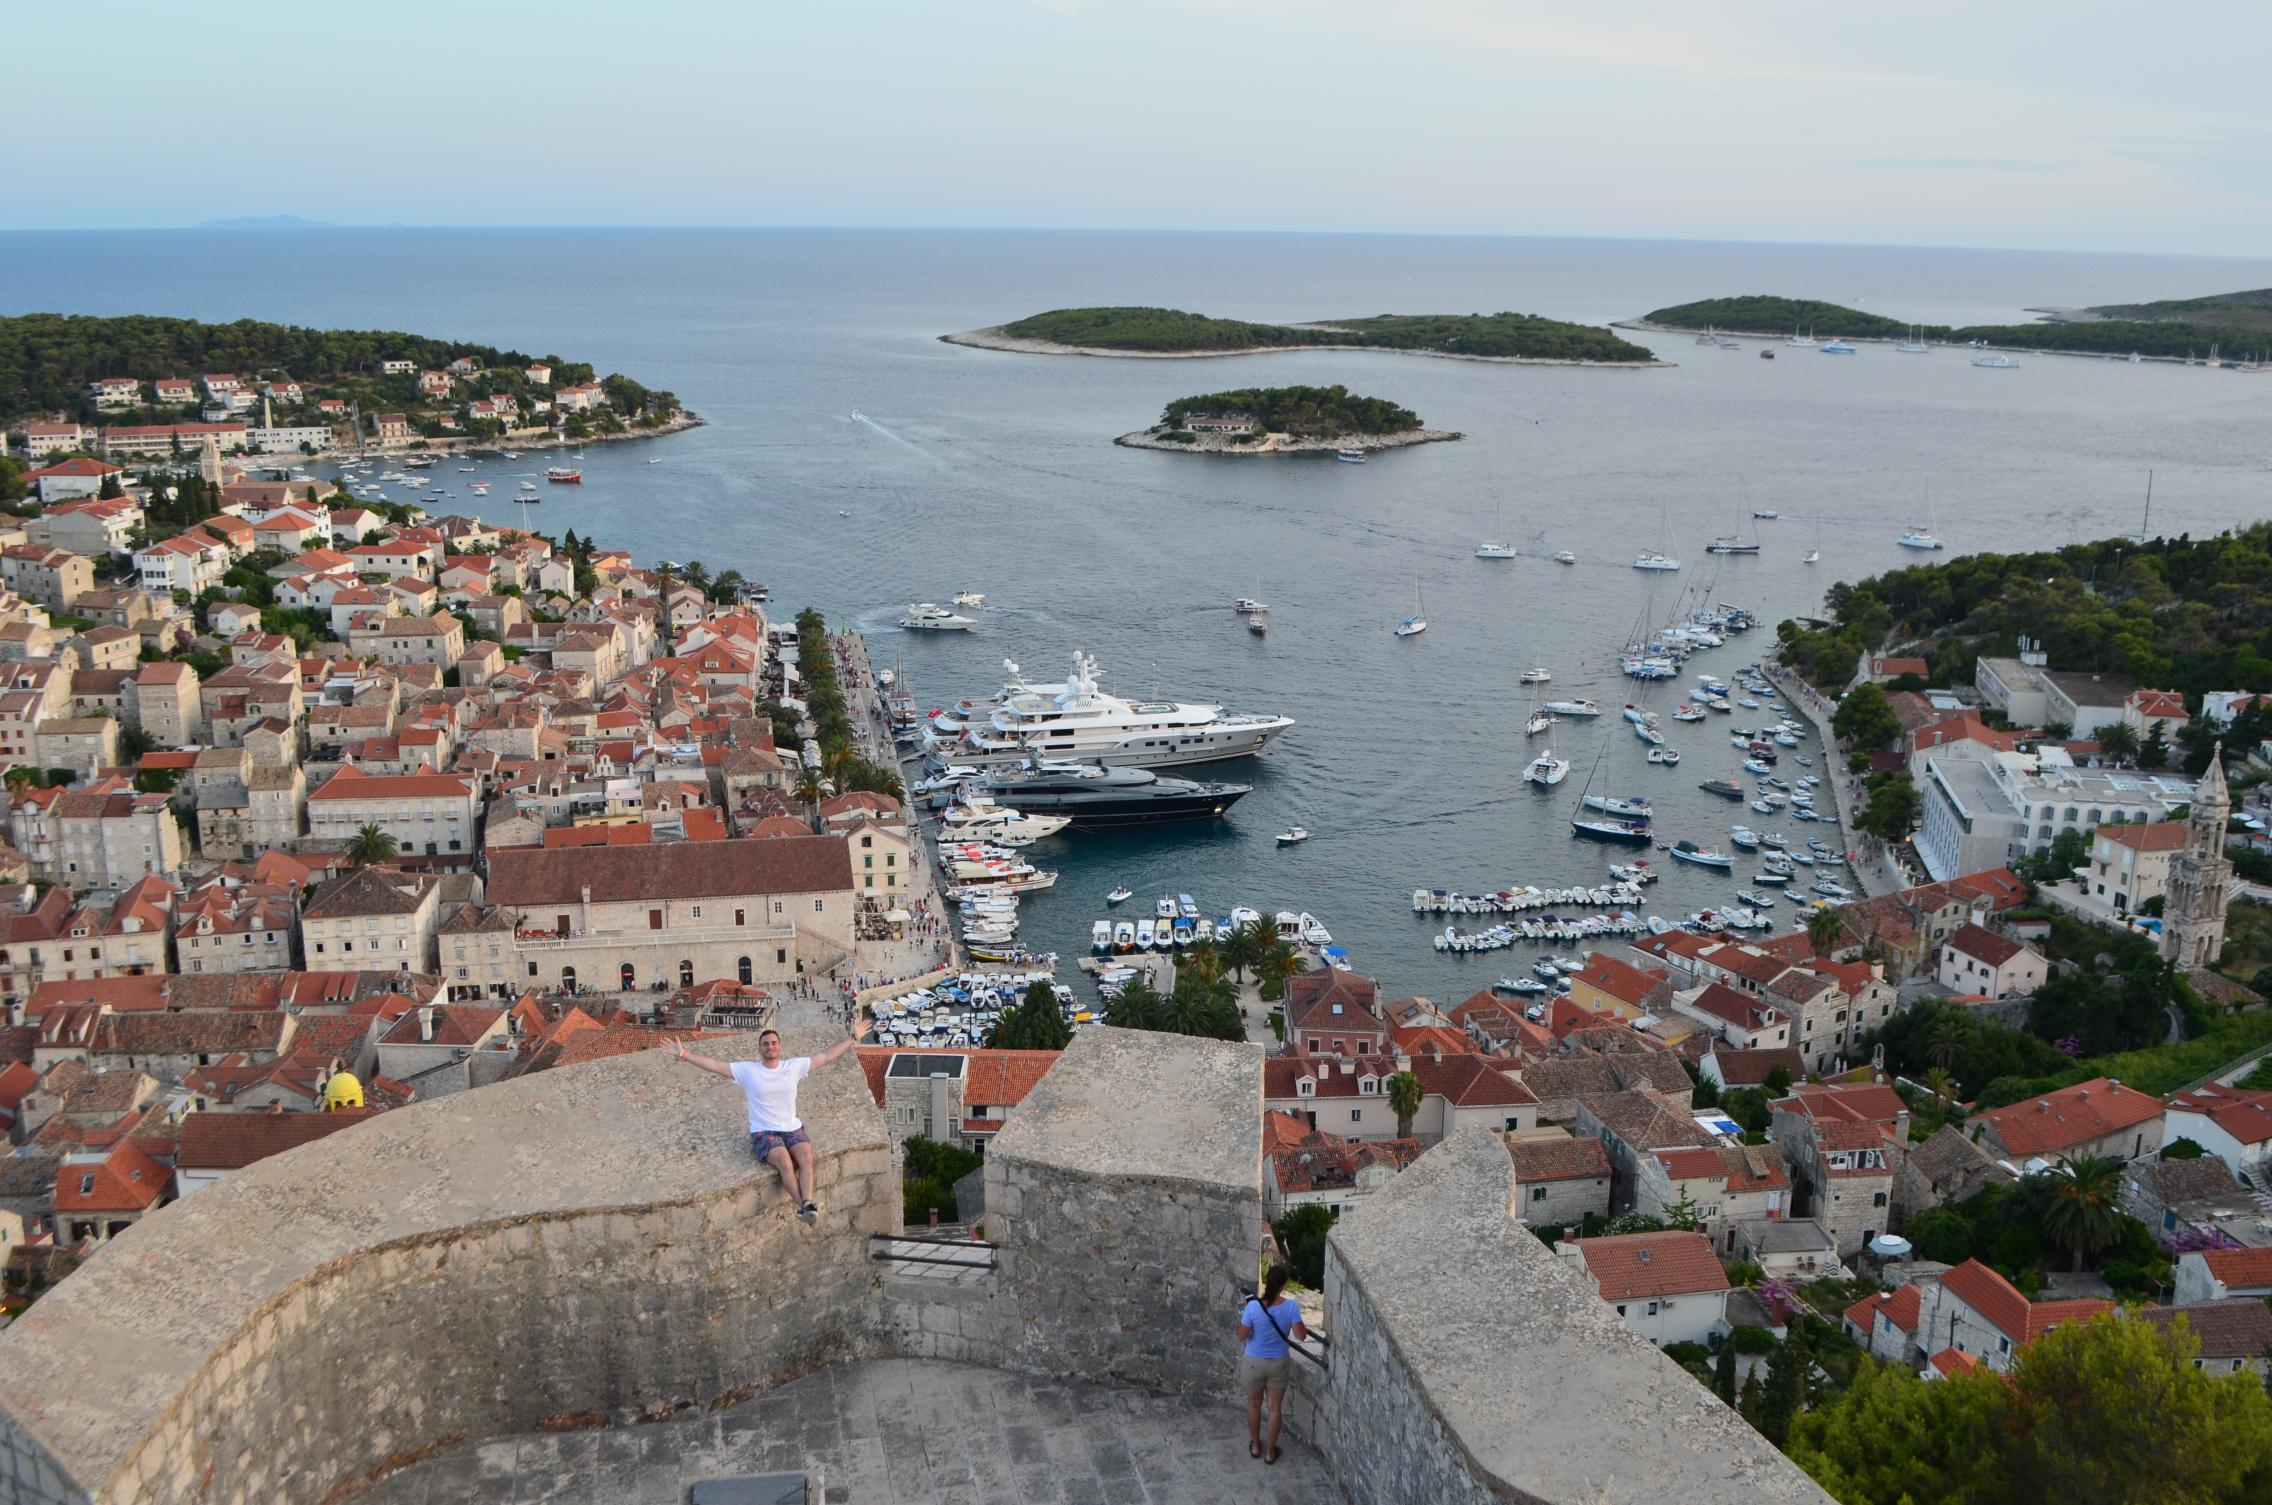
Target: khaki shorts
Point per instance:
(1258, 1374)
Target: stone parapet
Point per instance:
(1469, 1364)
(583, 1246)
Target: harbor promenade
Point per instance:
(1875, 872)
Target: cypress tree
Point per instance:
(1724, 1375)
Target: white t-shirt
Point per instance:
(772, 1094)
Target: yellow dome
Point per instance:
(342, 1091)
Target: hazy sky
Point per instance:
(2083, 125)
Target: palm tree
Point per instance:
(1204, 960)
(695, 573)
(1278, 964)
(371, 845)
(810, 789)
(1244, 946)
(2117, 741)
(1404, 1095)
(2084, 1215)
(1941, 1084)
(1944, 1047)
(1139, 1006)
(1825, 928)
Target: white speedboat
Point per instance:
(1350, 456)
(1837, 347)
(1995, 362)
(1293, 835)
(1579, 708)
(1100, 937)
(1566, 557)
(1073, 721)
(970, 598)
(932, 617)
(1547, 770)
(1649, 559)
(1120, 895)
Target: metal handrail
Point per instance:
(916, 1238)
(886, 1255)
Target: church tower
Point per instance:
(2200, 878)
(209, 461)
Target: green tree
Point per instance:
(1301, 1239)
(1138, 1005)
(1938, 1082)
(2181, 1148)
(810, 788)
(1404, 1097)
(1865, 718)
(1279, 964)
(1245, 947)
(1893, 1439)
(2117, 742)
(1891, 810)
(1035, 1023)
(1724, 1374)
(2154, 751)
(2085, 1215)
(1789, 1369)
(1824, 928)
(1940, 1233)
(371, 845)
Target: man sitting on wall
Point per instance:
(776, 1134)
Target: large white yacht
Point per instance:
(1074, 721)
(932, 617)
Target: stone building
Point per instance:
(624, 918)
(1843, 1172)
(1559, 1180)
(2200, 877)
(371, 918)
(427, 814)
(2097, 1117)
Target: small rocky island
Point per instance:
(1282, 420)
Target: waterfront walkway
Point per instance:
(1875, 872)
(896, 1432)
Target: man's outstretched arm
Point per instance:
(690, 1058)
(841, 1046)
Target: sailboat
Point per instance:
(1733, 543)
(1914, 345)
(1493, 547)
(1922, 537)
(1652, 559)
(1814, 555)
(1417, 623)
(1618, 819)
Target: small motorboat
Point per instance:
(1350, 456)
(1293, 835)
(1120, 895)
(1565, 557)
(1535, 676)
(1668, 756)
(970, 598)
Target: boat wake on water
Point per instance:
(907, 444)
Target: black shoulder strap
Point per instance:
(1272, 1318)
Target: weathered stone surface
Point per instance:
(1470, 1364)
(587, 1242)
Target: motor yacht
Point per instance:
(1090, 796)
(1995, 363)
(1837, 347)
(1350, 456)
(1580, 708)
(1074, 721)
(932, 617)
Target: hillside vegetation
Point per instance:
(2249, 312)
(1304, 412)
(2177, 613)
(1766, 315)
(1169, 330)
(48, 360)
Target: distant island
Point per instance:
(282, 387)
(2247, 312)
(2114, 330)
(1282, 420)
(264, 222)
(1170, 332)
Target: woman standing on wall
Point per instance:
(1267, 1326)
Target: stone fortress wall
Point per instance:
(594, 1246)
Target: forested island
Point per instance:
(1761, 314)
(1280, 420)
(2247, 312)
(49, 364)
(1173, 332)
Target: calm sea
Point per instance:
(974, 470)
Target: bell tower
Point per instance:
(2200, 877)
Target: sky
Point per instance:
(2084, 126)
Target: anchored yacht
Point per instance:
(1074, 721)
(932, 617)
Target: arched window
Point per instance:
(629, 981)
(685, 973)
(567, 979)
(744, 970)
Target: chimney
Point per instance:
(426, 1022)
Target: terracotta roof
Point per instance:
(1740, 1009)
(2246, 1116)
(454, 1024)
(1953, 1362)
(1001, 1078)
(2001, 1305)
(1620, 980)
(1984, 945)
(1749, 1068)
(1899, 1308)
(2247, 1269)
(2234, 1327)
(1576, 1157)
(1472, 1081)
(232, 1141)
(2146, 836)
(351, 783)
(1672, 1263)
(2070, 1116)
(126, 1180)
(692, 870)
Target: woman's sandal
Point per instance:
(1254, 1450)
(1273, 1458)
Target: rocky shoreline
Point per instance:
(996, 338)
(1280, 444)
(522, 441)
